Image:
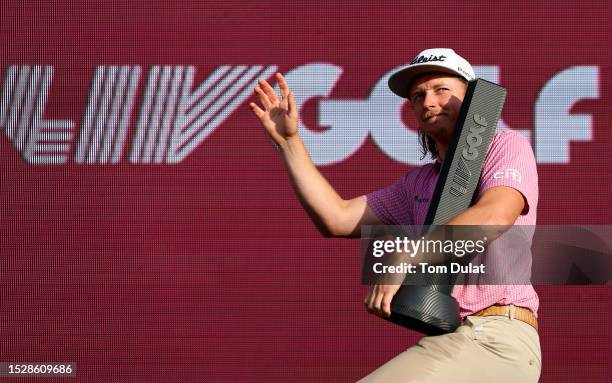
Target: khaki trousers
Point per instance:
(483, 349)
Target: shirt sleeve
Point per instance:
(391, 204)
(510, 162)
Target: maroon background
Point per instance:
(209, 270)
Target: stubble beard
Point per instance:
(441, 133)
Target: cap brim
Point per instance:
(399, 82)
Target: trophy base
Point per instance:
(425, 309)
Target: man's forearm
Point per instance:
(493, 215)
(482, 223)
(317, 196)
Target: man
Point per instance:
(498, 340)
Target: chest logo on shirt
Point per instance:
(512, 174)
(420, 199)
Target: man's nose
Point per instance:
(429, 100)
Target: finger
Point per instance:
(375, 300)
(292, 106)
(257, 110)
(283, 85)
(269, 91)
(265, 101)
(378, 302)
(368, 301)
(386, 305)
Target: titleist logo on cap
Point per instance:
(423, 59)
(434, 60)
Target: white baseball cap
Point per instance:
(430, 60)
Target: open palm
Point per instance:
(279, 117)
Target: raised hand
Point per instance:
(279, 117)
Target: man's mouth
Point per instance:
(428, 116)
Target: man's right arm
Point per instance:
(332, 215)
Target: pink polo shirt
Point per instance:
(509, 162)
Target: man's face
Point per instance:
(436, 100)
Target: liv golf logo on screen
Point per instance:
(173, 116)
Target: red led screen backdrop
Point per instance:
(149, 231)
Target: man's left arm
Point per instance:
(495, 212)
(508, 189)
